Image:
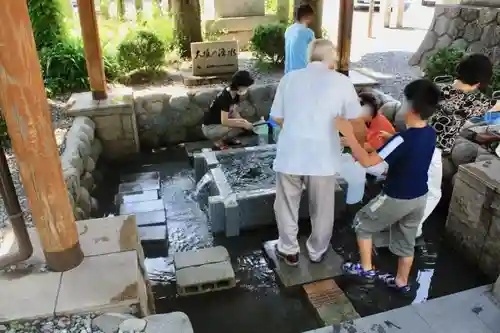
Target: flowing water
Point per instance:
(258, 303)
(249, 171)
(202, 183)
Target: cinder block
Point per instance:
(203, 271)
(216, 214)
(141, 207)
(232, 213)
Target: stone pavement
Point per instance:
(471, 311)
(174, 322)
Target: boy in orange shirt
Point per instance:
(376, 123)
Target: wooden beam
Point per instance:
(346, 12)
(92, 46)
(28, 117)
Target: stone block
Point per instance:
(203, 271)
(237, 24)
(107, 235)
(20, 289)
(136, 196)
(331, 304)
(211, 58)
(489, 262)
(154, 236)
(119, 100)
(226, 8)
(110, 322)
(200, 257)
(95, 285)
(496, 289)
(141, 207)
(174, 322)
(306, 272)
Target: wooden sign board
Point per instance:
(211, 58)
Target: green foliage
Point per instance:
(443, 63)
(4, 136)
(268, 43)
(64, 68)
(141, 50)
(163, 27)
(47, 20)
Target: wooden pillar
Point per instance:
(26, 111)
(370, 18)
(92, 46)
(346, 12)
(400, 14)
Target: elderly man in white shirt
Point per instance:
(306, 103)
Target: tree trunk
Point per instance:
(317, 6)
(138, 10)
(187, 18)
(104, 8)
(120, 8)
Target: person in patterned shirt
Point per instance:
(462, 100)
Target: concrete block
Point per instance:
(306, 272)
(203, 271)
(156, 217)
(174, 322)
(216, 214)
(136, 196)
(496, 289)
(141, 207)
(200, 257)
(232, 216)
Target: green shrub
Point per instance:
(47, 20)
(64, 69)
(268, 43)
(163, 27)
(443, 62)
(141, 50)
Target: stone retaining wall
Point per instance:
(475, 29)
(78, 161)
(173, 115)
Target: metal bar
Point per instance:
(11, 202)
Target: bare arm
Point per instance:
(231, 122)
(364, 158)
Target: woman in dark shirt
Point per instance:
(222, 122)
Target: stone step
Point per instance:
(139, 182)
(330, 303)
(141, 207)
(306, 272)
(156, 217)
(136, 196)
(154, 239)
(203, 271)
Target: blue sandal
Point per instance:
(390, 281)
(350, 268)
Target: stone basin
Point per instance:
(241, 195)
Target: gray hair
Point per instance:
(322, 50)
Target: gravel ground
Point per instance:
(63, 324)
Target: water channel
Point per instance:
(258, 303)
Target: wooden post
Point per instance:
(346, 12)
(27, 114)
(370, 18)
(401, 11)
(92, 47)
(387, 10)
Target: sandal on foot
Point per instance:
(390, 281)
(350, 268)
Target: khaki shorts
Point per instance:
(220, 132)
(402, 217)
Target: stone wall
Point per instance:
(78, 161)
(474, 214)
(475, 29)
(172, 115)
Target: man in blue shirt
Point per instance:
(401, 205)
(297, 39)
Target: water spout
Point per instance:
(202, 183)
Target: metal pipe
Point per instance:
(11, 202)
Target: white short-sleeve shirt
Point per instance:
(308, 100)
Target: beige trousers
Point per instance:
(220, 132)
(321, 193)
